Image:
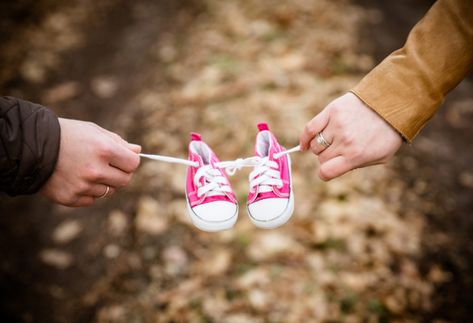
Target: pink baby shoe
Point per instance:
(270, 200)
(211, 202)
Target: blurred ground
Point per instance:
(379, 244)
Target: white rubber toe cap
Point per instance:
(268, 209)
(214, 216)
(218, 211)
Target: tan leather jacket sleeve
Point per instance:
(408, 86)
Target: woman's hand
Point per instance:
(90, 160)
(357, 135)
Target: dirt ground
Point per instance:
(383, 244)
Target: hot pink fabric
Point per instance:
(283, 167)
(262, 126)
(191, 189)
(195, 136)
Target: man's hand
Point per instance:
(90, 159)
(358, 137)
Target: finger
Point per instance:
(312, 128)
(116, 178)
(334, 167)
(134, 148)
(118, 139)
(98, 191)
(83, 201)
(124, 159)
(327, 154)
(115, 136)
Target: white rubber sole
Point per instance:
(283, 217)
(214, 226)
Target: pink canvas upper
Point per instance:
(191, 189)
(283, 167)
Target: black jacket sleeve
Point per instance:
(29, 145)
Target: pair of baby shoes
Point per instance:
(211, 202)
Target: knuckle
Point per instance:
(116, 136)
(335, 109)
(309, 129)
(347, 139)
(104, 150)
(81, 188)
(94, 174)
(92, 124)
(69, 199)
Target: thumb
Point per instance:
(134, 148)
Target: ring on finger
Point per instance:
(107, 190)
(322, 141)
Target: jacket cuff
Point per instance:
(403, 132)
(40, 135)
(406, 108)
(47, 158)
(407, 88)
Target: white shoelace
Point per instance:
(265, 175)
(214, 183)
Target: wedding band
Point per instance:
(321, 140)
(104, 194)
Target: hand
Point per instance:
(90, 159)
(358, 137)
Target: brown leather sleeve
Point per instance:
(29, 145)
(408, 86)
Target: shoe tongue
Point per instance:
(200, 160)
(264, 144)
(201, 152)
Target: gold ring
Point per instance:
(321, 140)
(104, 194)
